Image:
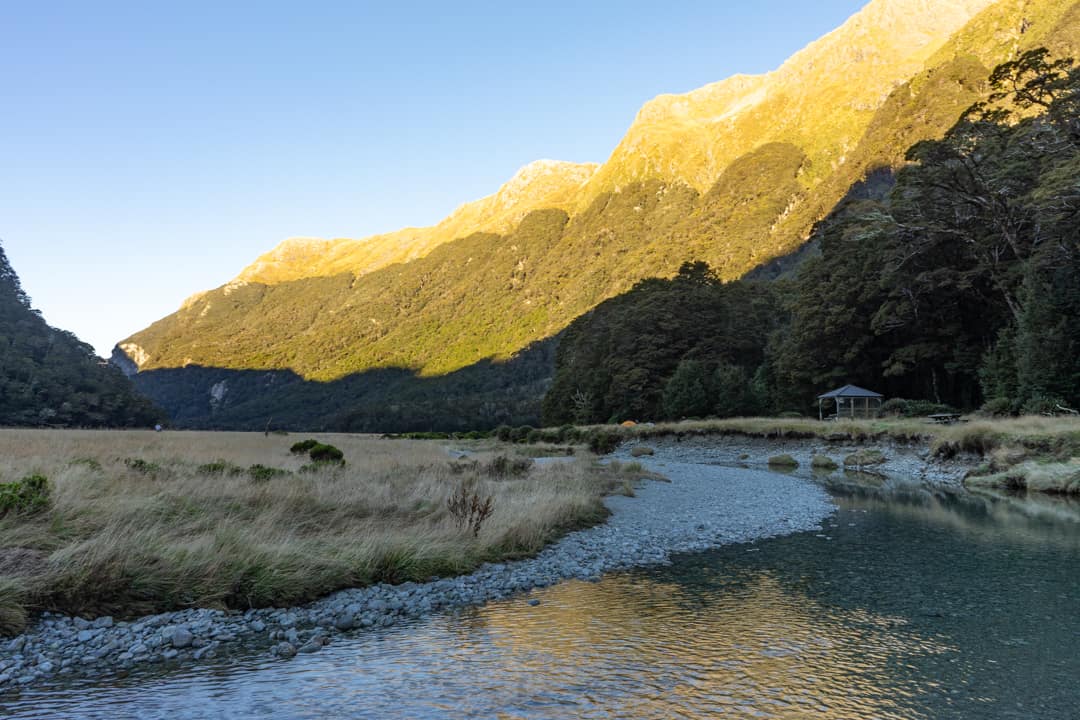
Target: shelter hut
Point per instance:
(851, 401)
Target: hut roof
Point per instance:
(850, 391)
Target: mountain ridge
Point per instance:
(488, 295)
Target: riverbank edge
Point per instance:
(76, 647)
(904, 462)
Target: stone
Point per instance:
(534, 602)
(284, 650)
(181, 638)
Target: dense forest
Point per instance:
(48, 377)
(959, 285)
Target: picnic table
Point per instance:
(944, 418)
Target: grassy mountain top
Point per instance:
(540, 184)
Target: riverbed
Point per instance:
(907, 603)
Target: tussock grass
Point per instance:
(122, 541)
(1048, 477)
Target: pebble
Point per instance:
(702, 507)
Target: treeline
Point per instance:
(48, 377)
(960, 286)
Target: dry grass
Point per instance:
(120, 540)
(1058, 435)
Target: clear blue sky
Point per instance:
(151, 150)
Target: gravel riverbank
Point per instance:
(904, 463)
(702, 507)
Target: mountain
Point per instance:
(735, 174)
(49, 378)
(540, 184)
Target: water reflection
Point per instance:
(910, 604)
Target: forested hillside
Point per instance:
(48, 377)
(961, 286)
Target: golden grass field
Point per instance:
(135, 525)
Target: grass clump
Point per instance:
(26, 496)
(1031, 475)
(503, 466)
(12, 607)
(641, 451)
(783, 461)
(139, 465)
(823, 462)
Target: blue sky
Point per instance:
(151, 150)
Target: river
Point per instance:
(910, 604)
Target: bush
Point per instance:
(998, 407)
(321, 453)
(913, 408)
(469, 509)
(299, 448)
(29, 495)
(1040, 405)
(569, 434)
(503, 432)
(521, 433)
(142, 466)
(602, 442)
(262, 473)
(221, 467)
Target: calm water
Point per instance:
(909, 605)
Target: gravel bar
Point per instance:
(701, 507)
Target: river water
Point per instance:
(910, 604)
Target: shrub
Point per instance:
(998, 407)
(299, 448)
(602, 442)
(262, 473)
(1041, 405)
(29, 495)
(569, 433)
(321, 453)
(503, 432)
(220, 467)
(469, 509)
(914, 408)
(521, 433)
(142, 466)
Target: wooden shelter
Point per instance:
(851, 401)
